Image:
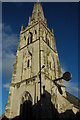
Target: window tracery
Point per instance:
(30, 38)
(27, 65)
(50, 64)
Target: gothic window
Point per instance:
(24, 37)
(25, 95)
(25, 98)
(39, 13)
(50, 65)
(22, 99)
(31, 38)
(47, 63)
(46, 37)
(35, 32)
(48, 42)
(28, 41)
(28, 63)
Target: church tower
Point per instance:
(36, 66)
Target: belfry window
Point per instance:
(48, 42)
(28, 41)
(47, 63)
(35, 32)
(50, 65)
(31, 38)
(46, 37)
(24, 37)
(28, 63)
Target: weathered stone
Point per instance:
(37, 47)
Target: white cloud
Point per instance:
(63, 70)
(6, 28)
(6, 86)
(9, 45)
(7, 66)
(9, 39)
(63, 67)
(72, 88)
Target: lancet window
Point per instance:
(27, 65)
(51, 65)
(24, 37)
(29, 40)
(47, 40)
(35, 32)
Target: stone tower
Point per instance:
(36, 48)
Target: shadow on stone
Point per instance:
(68, 115)
(43, 110)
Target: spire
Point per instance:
(37, 1)
(37, 11)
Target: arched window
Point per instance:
(35, 32)
(46, 37)
(28, 41)
(50, 65)
(28, 63)
(48, 42)
(24, 37)
(30, 37)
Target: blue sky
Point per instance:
(62, 17)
